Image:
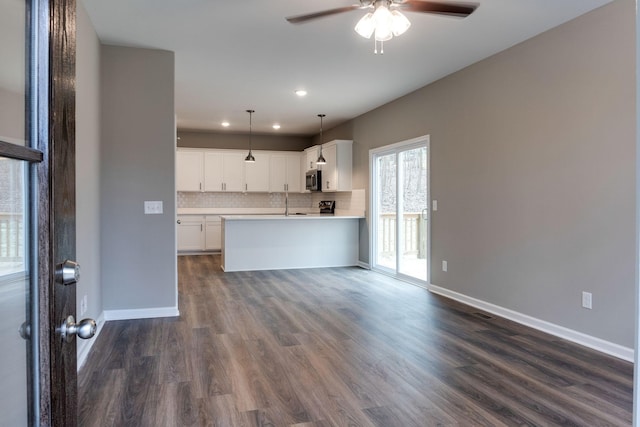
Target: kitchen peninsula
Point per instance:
(273, 242)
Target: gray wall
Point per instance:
(532, 164)
(138, 146)
(88, 166)
(204, 139)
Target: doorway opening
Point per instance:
(400, 241)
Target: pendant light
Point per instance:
(250, 158)
(321, 159)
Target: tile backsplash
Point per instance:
(347, 203)
(242, 200)
(351, 203)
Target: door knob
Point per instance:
(84, 329)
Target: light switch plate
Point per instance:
(152, 207)
(434, 205)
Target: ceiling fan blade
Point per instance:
(303, 18)
(461, 10)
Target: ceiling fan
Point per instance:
(386, 20)
(460, 10)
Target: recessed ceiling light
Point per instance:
(225, 124)
(276, 126)
(301, 92)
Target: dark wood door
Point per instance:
(57, 186)
(39, 159)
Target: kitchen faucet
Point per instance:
(286, 202)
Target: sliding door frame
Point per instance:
(396, 148)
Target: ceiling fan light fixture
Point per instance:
(384, 23)
(383, 34)
(366, 26)
(400, 23)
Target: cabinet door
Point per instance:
(190, 234)
(256, 174)
(278, 173)
(189, 171)
(294, 177)
(329, 170)
(312, 157)
(233, 171)
(213, 176)
(213, 234)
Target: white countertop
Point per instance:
(284, 217)
(262, 213)
(233, 211)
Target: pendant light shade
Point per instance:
(250, 158)
(321, 160)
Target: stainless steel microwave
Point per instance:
(314, 180)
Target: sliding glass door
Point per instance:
(400, 200)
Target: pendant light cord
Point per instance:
(321, 159)
(250, 158)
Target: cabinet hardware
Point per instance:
(179, 222)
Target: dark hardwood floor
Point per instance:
(339, 347)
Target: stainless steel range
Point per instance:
(327, 207)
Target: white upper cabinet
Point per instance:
(294, 177)
(311, 154)
(256, 174)
(233, 170)
(223, 171)
(284, 173)
(336, 174)
(189, 170)
(218, 170)
(213, 177)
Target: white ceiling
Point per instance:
(240, 54)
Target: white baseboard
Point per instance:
(84, 346)
(141, 313)
(364, 265)
(601, 345)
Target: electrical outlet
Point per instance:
(444, 266)
(587, 300)
(153, 207)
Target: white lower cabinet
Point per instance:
(213, 233)
(190, 233)
(199, 233)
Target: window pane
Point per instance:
(413, 230)
(386, 243)
(12, 71)
(14, 296)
